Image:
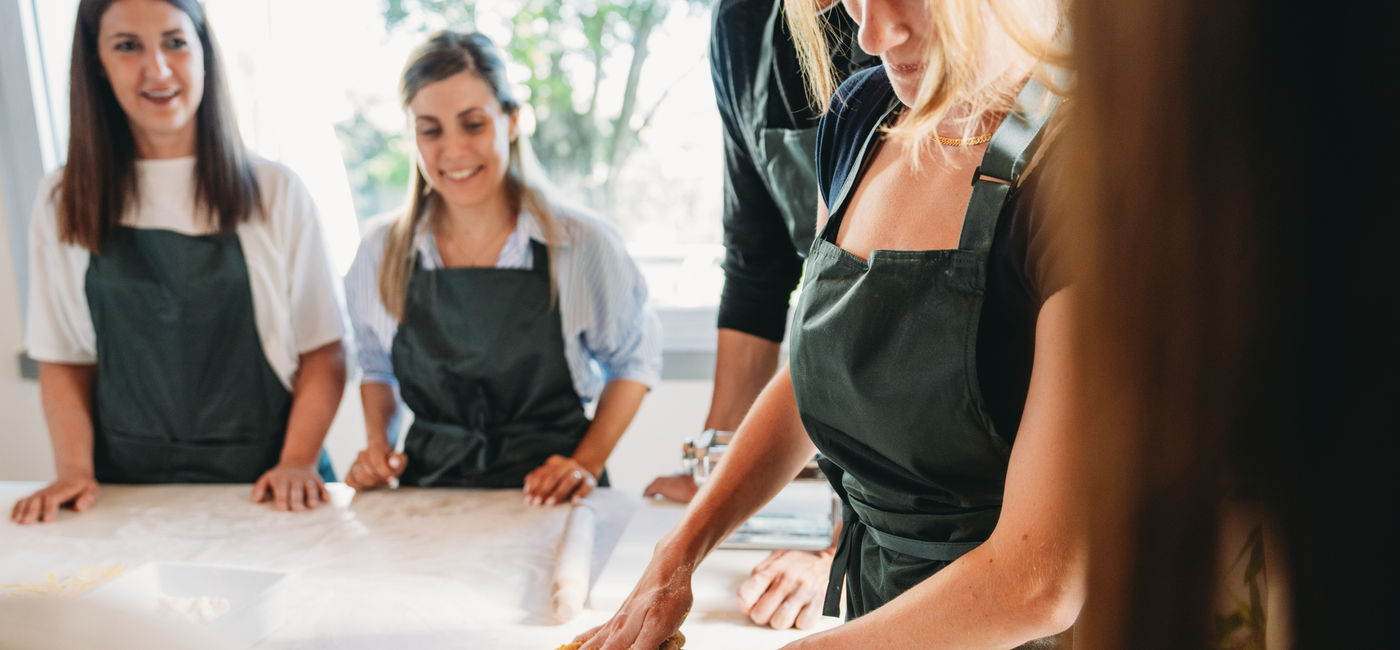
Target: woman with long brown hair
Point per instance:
(493, 309)
(930, 361)
(183, 308)
(1235, 242)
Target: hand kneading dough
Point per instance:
(674, 642)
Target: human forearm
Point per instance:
(381, 407)
(993, 597)
(617, 405)
(744, 364)
(769, 450)
(65, 392)
(320, 383)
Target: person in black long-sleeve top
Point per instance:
(770, 207)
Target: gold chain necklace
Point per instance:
(964, 142)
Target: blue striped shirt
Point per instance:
(609, 330)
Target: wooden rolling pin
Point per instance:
(573, 564)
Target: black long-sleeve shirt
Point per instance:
(770, 185)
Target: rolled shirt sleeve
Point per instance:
(371, 323)
(605, 302)
(58, 324)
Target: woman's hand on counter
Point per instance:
(375, 468)
(652, 612)
(291, 487)
(787, 589)
(42, 506)
(679, 488)
(560, 479)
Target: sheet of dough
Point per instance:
(429, 568)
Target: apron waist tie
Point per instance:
(848, 538)
(852, 528)
(936, 551)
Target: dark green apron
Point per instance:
(884, 367)
(785, 155)
(480, 361)
(184, 393)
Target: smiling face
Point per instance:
(152, 57)
(463, 138)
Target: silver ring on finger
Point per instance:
(578, 475)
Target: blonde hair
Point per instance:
(446, 54)
(952, 68)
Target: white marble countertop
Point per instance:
(415, 568)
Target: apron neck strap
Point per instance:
(540, 253)
(1011, 148)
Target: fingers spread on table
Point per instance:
(674, 487)
(22, 510)
(86, 499)
(314, 492)
(756, 586)
(811, 614)
(783, 588)
(280, 494)
(778, 590)
(546, 479)
(530, 480)
(569, 482)
(28, 509)
(296, 495)
(654, 631)
(261, 489)
(653, 489)
(52, 501)
(786, 613)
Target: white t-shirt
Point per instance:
(298, 304)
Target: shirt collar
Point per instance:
(526, 222)
(531, 225)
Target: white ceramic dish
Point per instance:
(240, 606)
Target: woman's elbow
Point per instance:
(328, 361)
(1054, 602)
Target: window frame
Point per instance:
(26, 130)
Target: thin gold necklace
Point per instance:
(964, 142)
